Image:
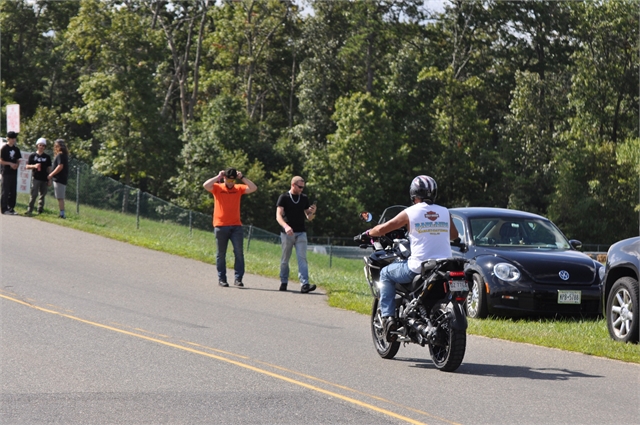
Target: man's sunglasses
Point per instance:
(301, 187)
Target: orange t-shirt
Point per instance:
(226, 211)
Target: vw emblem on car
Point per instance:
(564, 275)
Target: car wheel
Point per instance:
(622, 310)
(476, 304)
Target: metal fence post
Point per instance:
(249, 237)
(330, 251)
(138, 209)
(190, 223)
(77, 189)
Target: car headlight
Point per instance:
(601, 272)
(506, 272)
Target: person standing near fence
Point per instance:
(10, 159)
(60, 173)
(226, 220)
(291, 210)
(40, 163)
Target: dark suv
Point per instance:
(620, 290)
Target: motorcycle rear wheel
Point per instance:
(448, 353)
(385, 349)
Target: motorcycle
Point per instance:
(429, 310)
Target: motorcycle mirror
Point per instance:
(366, 216)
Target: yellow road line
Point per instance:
(233, 362)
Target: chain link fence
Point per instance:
(91, 188)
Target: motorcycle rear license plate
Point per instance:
(569, 297)
(458, 285)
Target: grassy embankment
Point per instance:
(343, 282)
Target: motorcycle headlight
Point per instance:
(506, 272)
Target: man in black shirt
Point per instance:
(9, 159)
(291, 210)
(40, 163)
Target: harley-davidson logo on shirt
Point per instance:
(432, 215)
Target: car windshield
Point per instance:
(391, 212)
(516, 233)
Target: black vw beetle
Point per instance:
(523, 265)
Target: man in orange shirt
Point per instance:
(226, 220)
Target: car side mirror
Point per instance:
(576, 244)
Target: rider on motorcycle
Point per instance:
(430, 231)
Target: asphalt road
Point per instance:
(95, 331)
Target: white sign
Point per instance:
(24, 175)
(13, 118)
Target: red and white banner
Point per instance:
(13, 118)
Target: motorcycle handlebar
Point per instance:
(362, 237)
(365, 237)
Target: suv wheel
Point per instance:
(622, 310)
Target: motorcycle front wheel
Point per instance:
(386, 350)
(448, 351)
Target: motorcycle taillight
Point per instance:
(456, 274)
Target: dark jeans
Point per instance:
(9, 191)
(223, 235)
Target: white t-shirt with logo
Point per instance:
(428, 233)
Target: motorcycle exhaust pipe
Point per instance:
(426, 331)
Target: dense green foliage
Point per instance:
(530, 105)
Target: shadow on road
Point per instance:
(506, 371)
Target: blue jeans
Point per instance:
(390, 275)
(299, 240)
(223, 235)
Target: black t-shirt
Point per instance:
(294, 207)
(62, 176)
(10, 154)
(45, 161)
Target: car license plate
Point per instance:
(569, 297)
(458, 285)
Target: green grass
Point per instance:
(343, 281)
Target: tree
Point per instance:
(530, 141)
(184, 24)
(355, 170)
(467, 158)
(118, 53)
(24, 57)
(590, 183)
(242, 43)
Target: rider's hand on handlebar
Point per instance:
(363, 237)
